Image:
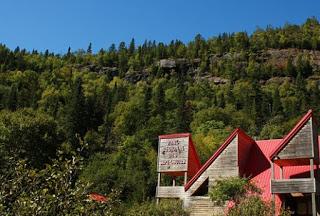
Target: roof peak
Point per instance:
(215, 155)
(292, 133)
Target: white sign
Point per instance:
(173, 154)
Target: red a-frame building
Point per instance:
(286, 170)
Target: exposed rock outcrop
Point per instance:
(167, 63)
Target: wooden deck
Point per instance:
(170, 192)
(302, 185)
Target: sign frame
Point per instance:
(173, 148)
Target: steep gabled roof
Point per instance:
(291, 134)
(215, 155)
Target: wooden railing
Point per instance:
(301, 185)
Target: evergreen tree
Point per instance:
(12, 100)
(221, 102)
(183, 116)
(46, 53)
(159, 105)
(132, 47)
(112, 48)
(69, 52)
(89, 49)
(105, 129)
(290, 69)
(122, 59)
(303, 66)
(17, 50)
(76, 123)
(258, 111)
(147, 103)
(300, 92)
(276, 103)
(94, 112)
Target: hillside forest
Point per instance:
(84, 121)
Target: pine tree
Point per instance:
(46, 53)
(303, 66)
(17, 50)
(183, 119)
(147, 104)
(258, 105)
(122, 59)
(221, 101)
(276, 103)
(159, 101)
(89, 50)
(115, 98)
(315, 97)
(290, 69)
(12, 101)
(301, 92)
(69, 52)
(132, 47)
(76, 114)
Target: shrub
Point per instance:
(233, 188)
(251, 206)
(53, 190)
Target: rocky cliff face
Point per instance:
(277, 58)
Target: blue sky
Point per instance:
(58, 24)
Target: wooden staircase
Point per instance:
(203, 206)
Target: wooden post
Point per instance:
(272, 170)
(185, 178)
(174, 181)
(159, 179)
(158, 185)
(281, 172)
(273, 195)
(313, 195)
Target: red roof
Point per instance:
(258, 162)
(98, 197)
(260, 169)
(291, 134)
(177, 135)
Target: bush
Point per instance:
(233, 188)
(251, 206)
(245, 196)
(53, 190)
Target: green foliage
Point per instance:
(28, 134)
(251, 206)
(233, 188)
(244, 195)
(50, 191)
(76, 119)
(129, 170)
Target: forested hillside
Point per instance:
(85, 122)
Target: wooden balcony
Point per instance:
(301, 185)
(170, 192)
